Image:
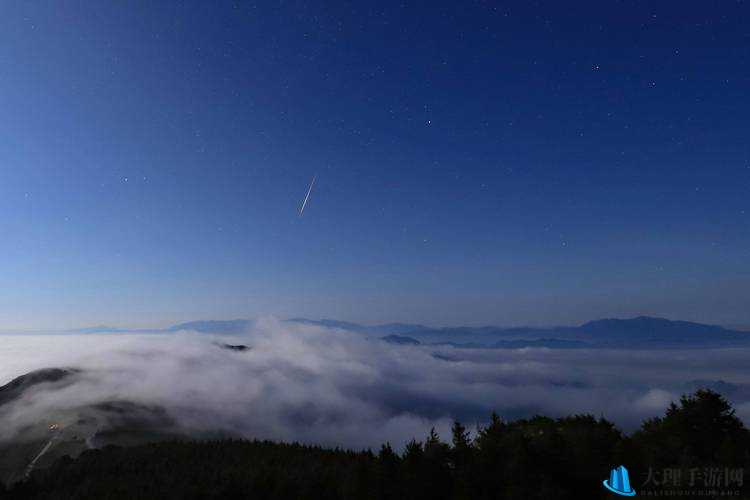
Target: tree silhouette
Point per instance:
(702, 429)
(536, 458)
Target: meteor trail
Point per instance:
(307, 196)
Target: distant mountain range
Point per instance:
(226, 327)
(635, 333)
(384, 329)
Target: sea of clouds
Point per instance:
(318, 385)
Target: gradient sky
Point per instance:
(477, 162)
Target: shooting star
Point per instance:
(307, 196)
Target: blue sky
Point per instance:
(526, 163)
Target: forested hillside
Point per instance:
(537, 458)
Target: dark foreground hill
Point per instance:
(698, 446)
(18, 386)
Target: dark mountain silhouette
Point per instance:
(109, 422)
(400, 340)
(16, 387)
(659, 330)
(235, 347)
(640, 332)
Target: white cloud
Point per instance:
(307, 383)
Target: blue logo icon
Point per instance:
(619, 482)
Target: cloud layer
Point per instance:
(318, 385)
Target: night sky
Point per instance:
(477, 162)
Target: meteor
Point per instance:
(307, 196)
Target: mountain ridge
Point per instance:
(637, 332)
